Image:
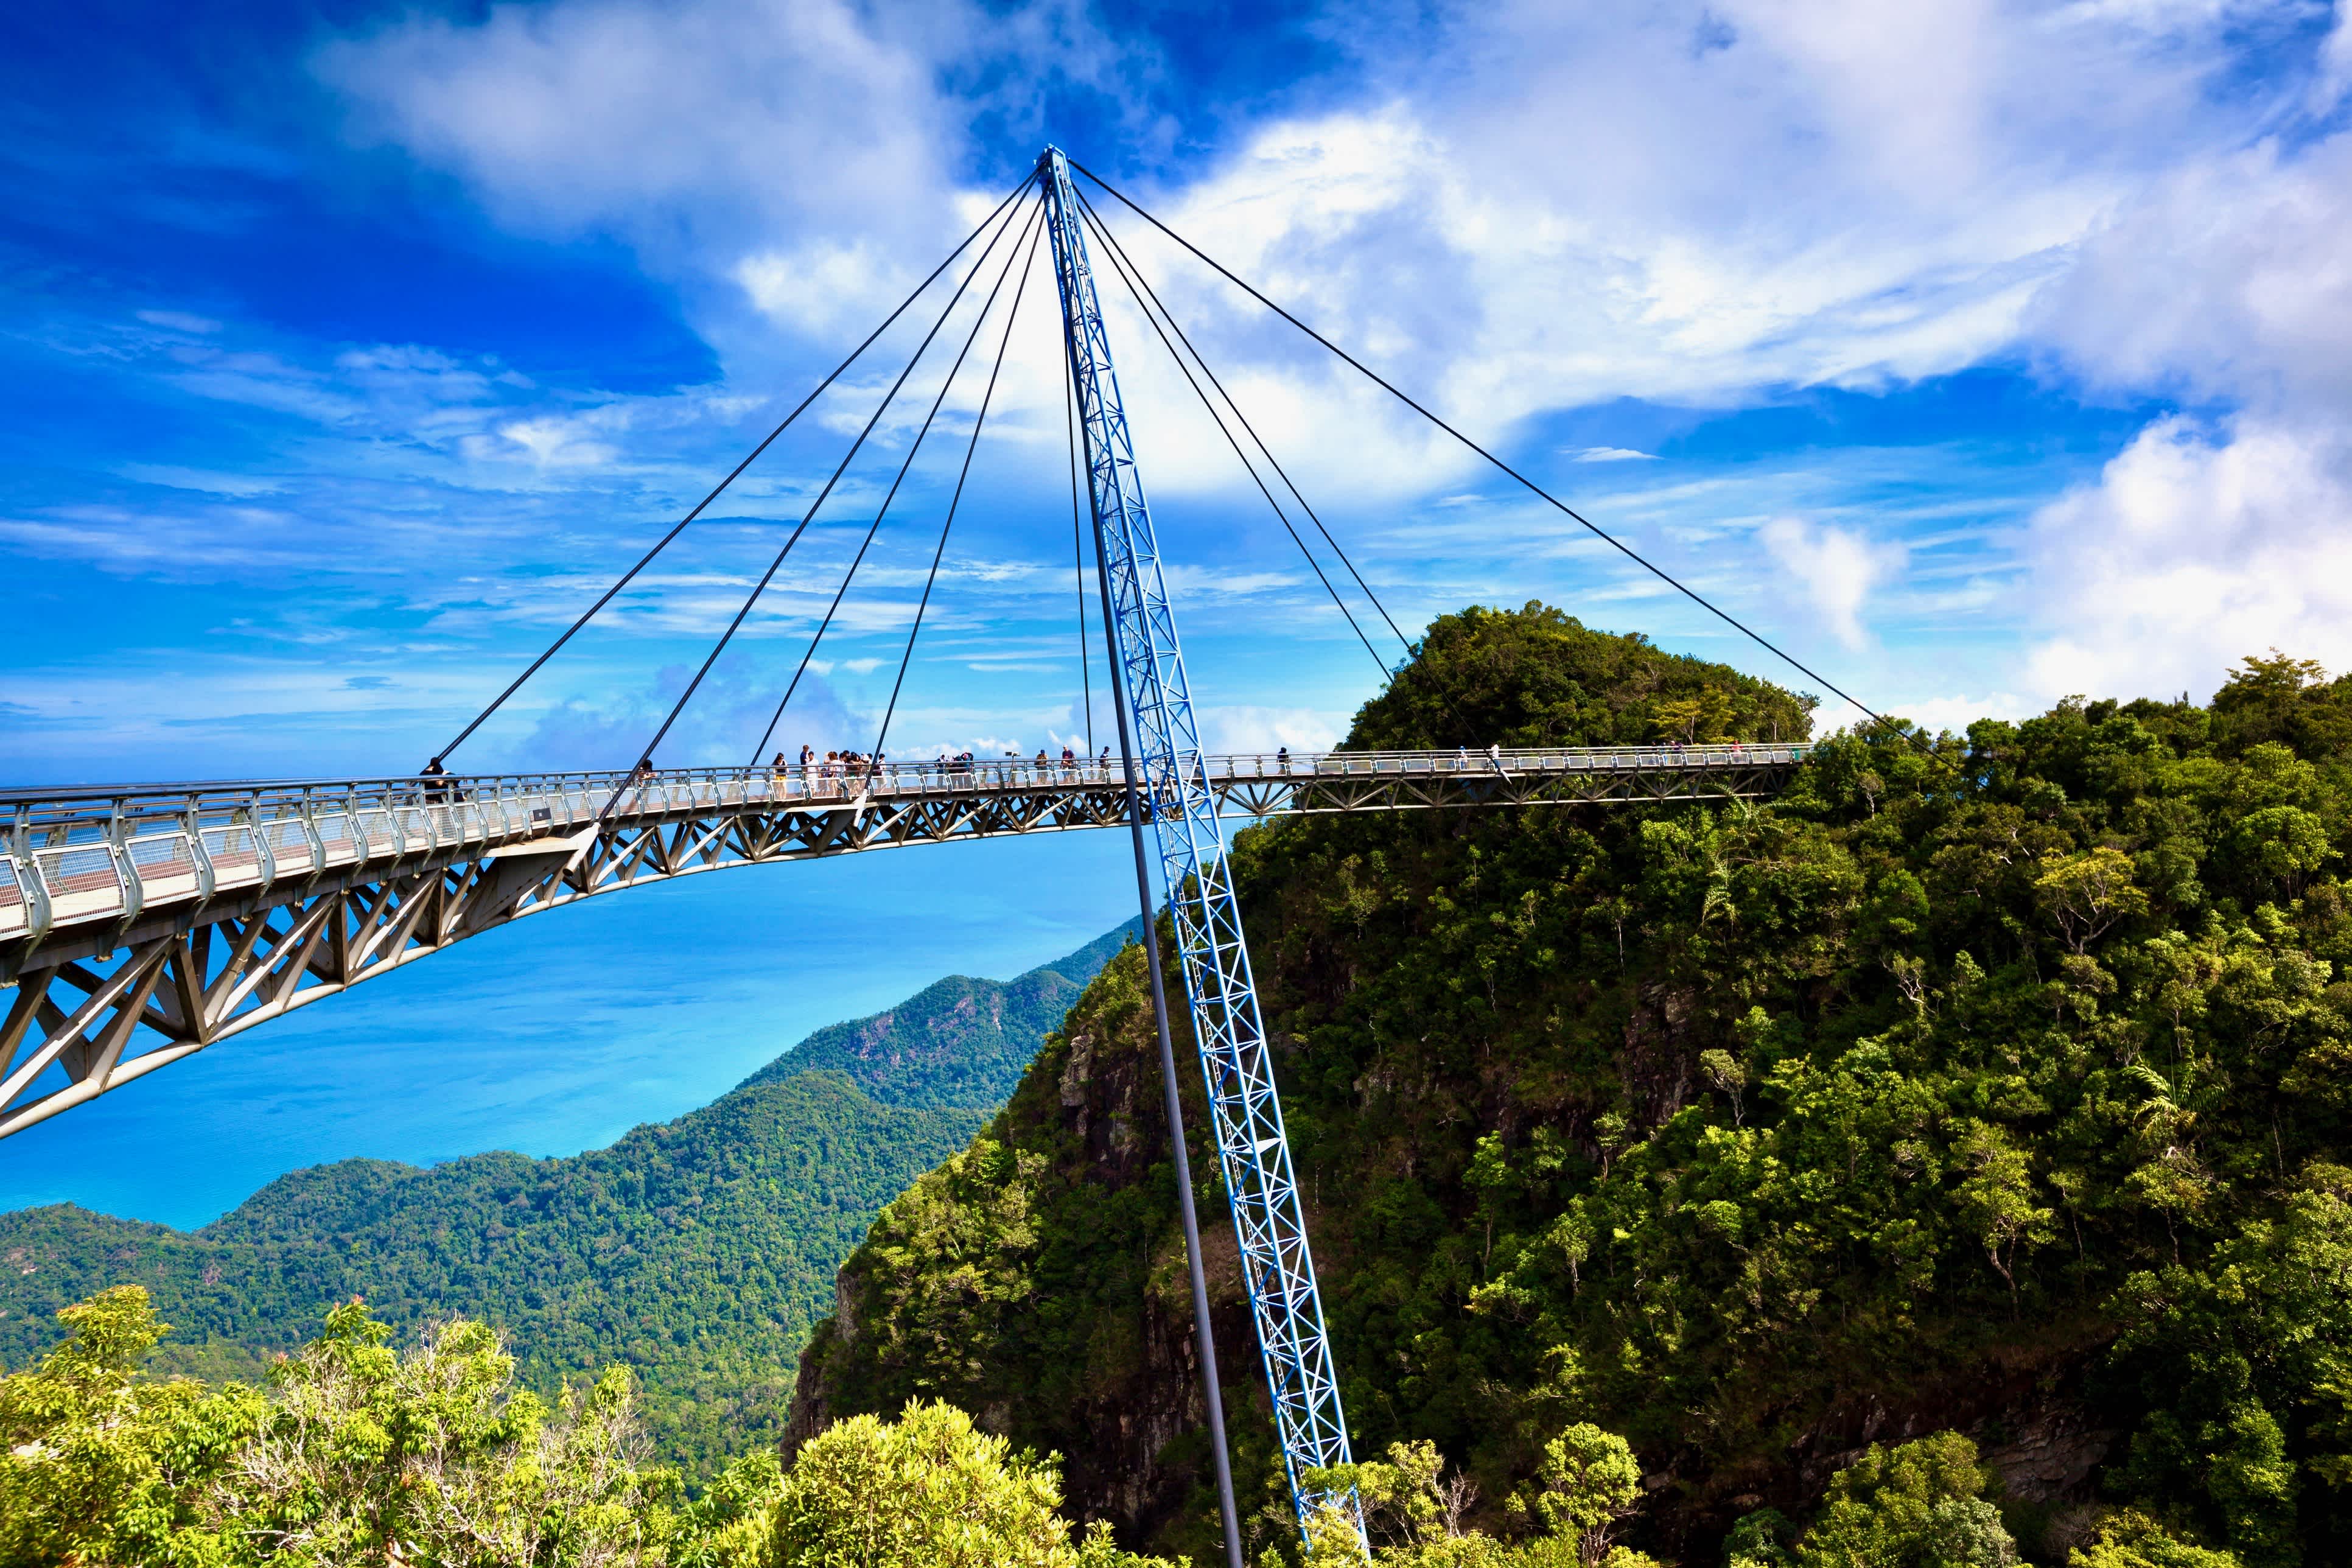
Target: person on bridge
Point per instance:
(433, 769)
(1282, 758)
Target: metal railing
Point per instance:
(92, 852)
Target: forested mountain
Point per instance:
(1995, 1083)
(698, 1252)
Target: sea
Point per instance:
(560, 1032)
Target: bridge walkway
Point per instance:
(140, 923)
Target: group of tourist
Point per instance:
(827, 774)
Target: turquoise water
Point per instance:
(561, 1032)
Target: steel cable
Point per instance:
(970, 338)
(642, 562)
(979, 424)
(753, 598)
(1138, 278)
(1119, 266)
(1533, 488)
(1078, 554)
(1132, 275)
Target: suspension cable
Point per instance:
(978, 322)
(1078, 554)
(979, 424)
(725, 636)
(1533, 488)
(1118, 267)
(1135, 273)
(1132, 275)
(646, 560)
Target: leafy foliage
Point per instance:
(965, 1499)
(357, 1452)
(1917, 1506)
(698, 1252)
(1975, 1080)
(1415, 1514)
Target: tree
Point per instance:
(2087, 893)
(97, 1467)
(2130, 1539)
(1729, 1078)
(1590, 1481)
(357, 1453)
(926, 1491)
(1997, 1197)
(1916, 1506)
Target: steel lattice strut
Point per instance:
(1252, 1147)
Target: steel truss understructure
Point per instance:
(1173, 792)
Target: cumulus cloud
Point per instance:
(2210, 539)
(2225, 280)
(1838, 569)
(1244, 729)
(2198, 545)
(703, 123)
(1692, 201)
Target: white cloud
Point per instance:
(1244, 730)
(557, 443)
(206, 479)
(180, 321)
(1839, 569)
(2227, 279)
(1611, 455)
(2196, 547)
(701, 123)
(824, 289)
(1953, 713)
(2207, 540)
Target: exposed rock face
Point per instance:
(2052, 1455)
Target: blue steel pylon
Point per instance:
(1252, 1148)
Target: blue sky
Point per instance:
(1977, 353)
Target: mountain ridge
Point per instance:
(698, 1250)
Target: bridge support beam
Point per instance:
(1173, 792)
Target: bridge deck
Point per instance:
(170, 916)
(107, 853)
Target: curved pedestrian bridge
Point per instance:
(142, 922)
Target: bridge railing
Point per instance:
(98, 852)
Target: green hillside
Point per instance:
(698, 1252)
(1996, 1085)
